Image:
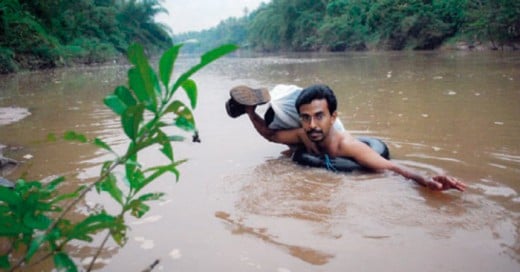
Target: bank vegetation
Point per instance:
(339, 25)
(44, 34)
(38, 34)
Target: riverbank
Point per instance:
(32, 63)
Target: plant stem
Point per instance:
(91, 265)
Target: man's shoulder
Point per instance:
(346, 137)
(345, 144)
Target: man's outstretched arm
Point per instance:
(370, 159)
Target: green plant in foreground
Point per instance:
(32, 215)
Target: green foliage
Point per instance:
(27, 210)
(494, 20)
(56, 32)
(337, 25)
(345, 26)
(231, 30)
(32, 217)
(7, 63)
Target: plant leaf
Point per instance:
(109, 184)
(218, 52)
(167, 62)
(38, 221)
(64, 263)
(151, 196)
(135, 53)
(176, 138)
(184, 118)
(9, 196)
(4, 262)
(91, 225)
(35, 245)
(138, 208)
(159, 170)
(131, 119)
(191, 90)
(115, 104)
(166, 149)
(142, 78)
(100, 143)
(206, 59)
(118, 232)
(51, 186)
(62, 197)
(10, 226)
(185, 124)
(136, 179)
(136, 83)
(125, 95)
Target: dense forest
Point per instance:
(339, 25)
(37, 34)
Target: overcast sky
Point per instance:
(194, 15)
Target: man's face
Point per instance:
(316, 119)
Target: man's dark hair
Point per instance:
(317, 92)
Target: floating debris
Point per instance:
(145, 243)
(175, 254)
(10, 115)
(148, 219)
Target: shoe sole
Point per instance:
(249, 96)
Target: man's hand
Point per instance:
(442, 183)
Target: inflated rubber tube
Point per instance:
(302, 157)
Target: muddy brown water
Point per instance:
(241, 206)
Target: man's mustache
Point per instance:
(314, 131)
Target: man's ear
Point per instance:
(334, 116)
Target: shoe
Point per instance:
(250, 97)
(234, 109)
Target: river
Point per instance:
(240, 205)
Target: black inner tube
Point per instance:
(302, 157)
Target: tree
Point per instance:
(495, 20)
(40, 34)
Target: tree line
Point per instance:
(41, 34)
(339, 25)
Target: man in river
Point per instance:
(316, 109)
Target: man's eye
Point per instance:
(319, 116)
(305, 118)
